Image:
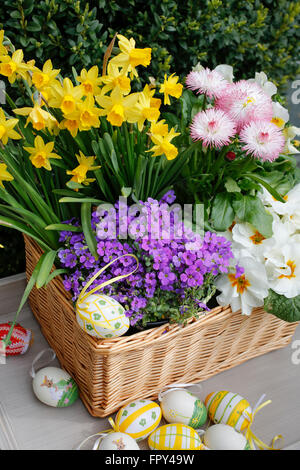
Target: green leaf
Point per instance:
(55, 273)
(86, 223)
(283, 308)
(232, 186)
(25, 296)
(264, 183)
(63, 227)
(8, 222)
(222, 213)
(45, 268)
(81, 200)
(250, 209)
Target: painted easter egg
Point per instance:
(175, 437)
(138, 419)
(55, 387)
(224, 437)
(181, 406)
(118, 441)
(20, 339)
(227, 408)
(102, 316)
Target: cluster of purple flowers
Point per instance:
(176, 267)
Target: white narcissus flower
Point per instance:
(226, 71)
(290, 210)
(280, 115)
(283, 268)
(262, 80)
(249, 238)
(290, 134)
(244, 291)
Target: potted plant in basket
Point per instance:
(82, 143)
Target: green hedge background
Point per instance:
(251, 35)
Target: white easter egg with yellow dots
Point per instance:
(102, 316)
(175, 437)
(138, 419)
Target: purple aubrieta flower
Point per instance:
(166, 264)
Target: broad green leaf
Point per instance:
(55, 273)
(63, 227)
(232, 186)
(8, 222)
(222, 213)
(282, 307)
(250, 209)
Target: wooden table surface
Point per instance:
(26, 423)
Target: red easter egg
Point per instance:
(20, 340)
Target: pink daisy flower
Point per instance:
(264, 140)
(207, 81)
(213, 127)
(245, 102)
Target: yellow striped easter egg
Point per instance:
(102, 316)
(227, 408)
(175, 437)
(138, 419)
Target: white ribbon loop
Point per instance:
(176, 386)
(40, 354)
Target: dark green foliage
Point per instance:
(251, 35)
(281, 307)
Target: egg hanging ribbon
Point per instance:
(175, 386)
(39, 355)
(250, 436)
(83, 295)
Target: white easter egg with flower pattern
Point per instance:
(118, 441)
(138, 419)
(102, 316)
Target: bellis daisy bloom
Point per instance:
(263, 140)
(245, 102)
(213, 127)
(207, 81)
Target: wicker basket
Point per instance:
(111, 373)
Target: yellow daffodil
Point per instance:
(3, 50)
(71, 124)
(115, 78)
(117, 107)
(130, 56)
(171, 87)
(163, 145)
(88, 114)
(90, 81)
(39, 118)
(11, 66)
(4, 175)
(41, 153)
(45, 77)
(85, 165)
(66, 96)
(159, 128)
(6, 128)
(143, 109)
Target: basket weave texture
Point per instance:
(113, 372)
